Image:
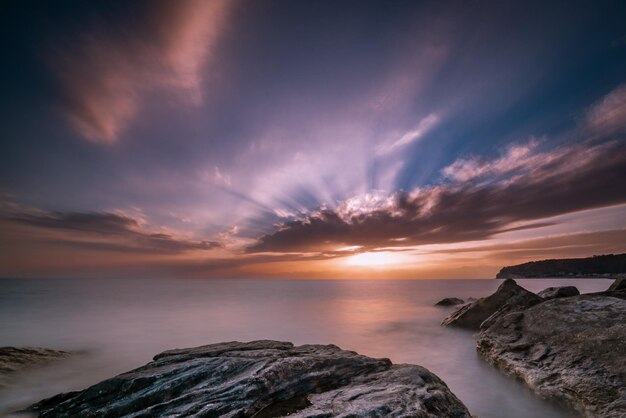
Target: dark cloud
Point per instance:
(563, 180)
(109, 232)
(105, 223)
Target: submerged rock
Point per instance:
(450, 302)
(558, 292)
(262, 379)
(508, 297)
(14, 359)
(569, 349)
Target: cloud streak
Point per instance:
(564, 180)
(108, 231)
(422, 128)
(608, 116)
(104, 76)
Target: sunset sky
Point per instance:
(309, 139)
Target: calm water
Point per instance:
(121, 324)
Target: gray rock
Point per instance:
(262, 379)
(567, 349)
(508, 297)
(618, 284)
(449, 302)
(620, 294)
(14, 360)
(558, 292)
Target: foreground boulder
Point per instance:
(450, 302)
(262, 379)
(508, 297)
(558, 292)
(13, 360)
(568, 349)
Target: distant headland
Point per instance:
(601, 266)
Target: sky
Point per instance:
(309, 139)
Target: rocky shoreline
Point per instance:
(566, 347)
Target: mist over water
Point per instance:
(118, 325)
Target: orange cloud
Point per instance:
(105, 75)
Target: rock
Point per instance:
(13, 360)
(620, 294)
(508, 297)
(262, 379)
(618, 284)
(558, 292)
(566, 349)
(449, 302)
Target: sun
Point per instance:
(375, 259)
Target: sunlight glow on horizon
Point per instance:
(379, 259)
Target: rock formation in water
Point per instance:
(570, 349)
(450, 302)
(509, 296)
(618, 284)
(13, 360)
(558, 292)
(262, 379)
(610, 265)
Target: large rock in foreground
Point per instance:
(508, 297)
(262, 379)
(14, 360)
(569, 349)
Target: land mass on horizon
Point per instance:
(601, 266)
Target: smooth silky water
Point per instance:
(117, 325)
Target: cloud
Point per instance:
(515, 157)
(107, 231)
(608, 115)
(104, 77)
(563, 180)
(221, 178)
(423, 127)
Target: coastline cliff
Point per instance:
(601, 266)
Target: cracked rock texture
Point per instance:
(568, 349)
(262, 379)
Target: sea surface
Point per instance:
(117, 325)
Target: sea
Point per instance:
(116, 325)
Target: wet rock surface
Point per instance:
(569, 349)
(14, 360)
(262, 379)
(450, 302)
(508, 297)
(558, 292)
